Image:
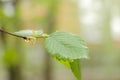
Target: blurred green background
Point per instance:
(96, 21)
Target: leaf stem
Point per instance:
(42, 36)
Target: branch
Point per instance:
(25, 37)
(1, 30)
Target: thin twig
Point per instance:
(1, 30)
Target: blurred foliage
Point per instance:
(11, 58)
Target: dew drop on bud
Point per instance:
(27, 41)
(30, 40)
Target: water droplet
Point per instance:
(26, 40)
(30, 40)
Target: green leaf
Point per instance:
(26, 33)
(75, 67)
(66, 45)
(68, 49)
(66, 62)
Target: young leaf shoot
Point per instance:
(67, 48)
